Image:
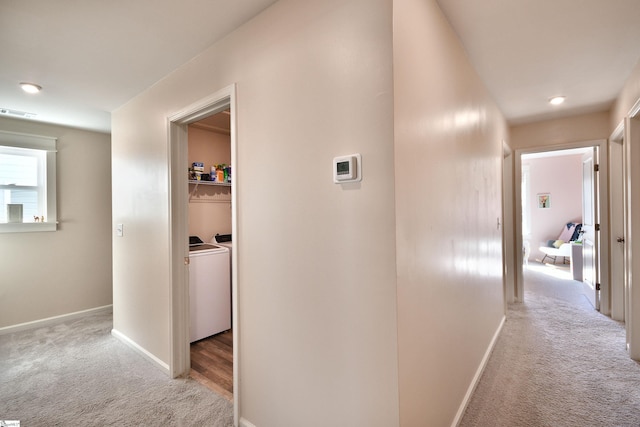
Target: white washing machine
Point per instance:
(223, 240)
(226, 241)
(209, 290)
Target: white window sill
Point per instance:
(27, 227)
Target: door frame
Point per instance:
(591, 240)
(603, 200)
(177, 124)
(617, 214)
(508, 257)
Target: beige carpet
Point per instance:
(558, 362)
(76, 374)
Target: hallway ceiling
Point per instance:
(92, 56)
(527, 51)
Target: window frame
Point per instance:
(48, 145)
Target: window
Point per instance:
(27, 183)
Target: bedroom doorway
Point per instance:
(549, 202)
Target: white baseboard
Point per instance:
(142, 351)
(245, 423)
(478, 375)
(52, 320)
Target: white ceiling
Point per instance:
(527, 51)
(92, 56)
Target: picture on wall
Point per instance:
(544, 200)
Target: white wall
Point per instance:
(549, 133)
(47, 274)
(317, 298)
(448, 157)
(561, 177)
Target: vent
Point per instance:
(17, 113)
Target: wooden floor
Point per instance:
(212, 363)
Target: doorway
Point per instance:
(210, 204)
(547, 209)
(180, 357)
(617, 217)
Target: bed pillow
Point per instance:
(558, 243)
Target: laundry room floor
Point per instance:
(212, 363)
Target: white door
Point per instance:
(616, 236)
(590, 228)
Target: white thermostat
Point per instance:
(347, 168)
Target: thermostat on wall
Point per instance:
(347, 168)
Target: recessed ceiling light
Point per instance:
(557, 100)
(30, 87)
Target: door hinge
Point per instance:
(597, 227)
(186, 260)
(597, 286)
(596, 168)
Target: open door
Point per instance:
(590, 227)
(617, 235)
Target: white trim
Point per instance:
(635, 109)
(42, 143)
(25, 140)
(617, 287)
(478, 375)
(179, 359)
(618, 132)
(603, 188)
(28, 227)
(204, 107)
(245, 423)
(140, 350)
(178, 213)
(178, 218)
(53, 320)
(235, 305)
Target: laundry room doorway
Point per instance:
(180, 190)
(210, 237)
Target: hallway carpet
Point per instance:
(76, 374)
(557, 363)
